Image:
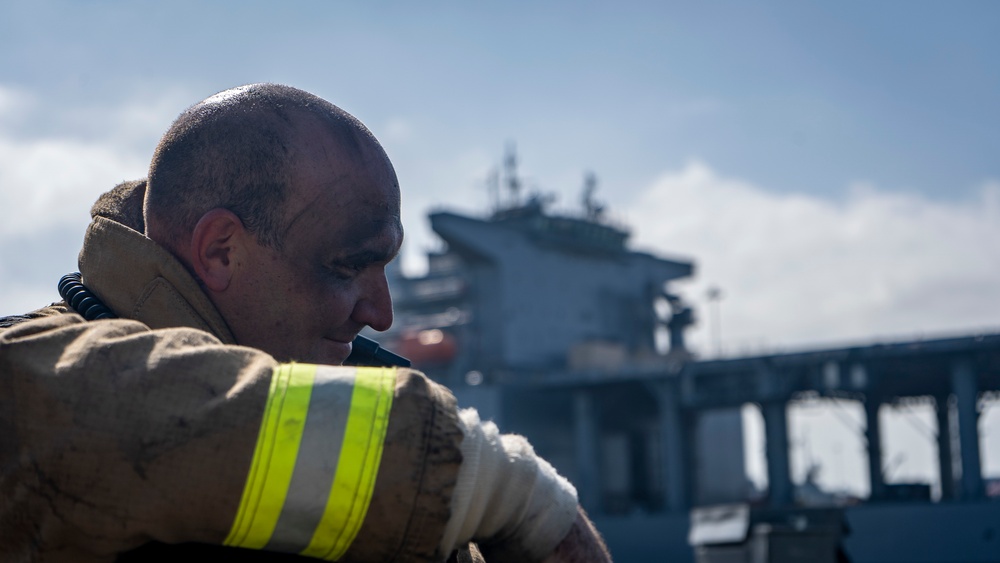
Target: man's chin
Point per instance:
(333, 352)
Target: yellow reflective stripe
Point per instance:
(360, 456)
(274, 456)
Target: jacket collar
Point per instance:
(139, 279)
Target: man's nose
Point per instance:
(374, 308)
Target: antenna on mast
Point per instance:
(493, 189)
(593, 209)
(510, 175)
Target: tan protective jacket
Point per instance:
(155, 426)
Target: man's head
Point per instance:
(286, 209)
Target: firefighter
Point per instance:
(190, 388)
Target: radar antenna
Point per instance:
(510, 175)
(593, 209)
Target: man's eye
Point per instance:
(343, 271)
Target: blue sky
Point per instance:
(794, 96)
(839, 103)
(833, 167)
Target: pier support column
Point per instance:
(672, 447)
(588, 462)
(779, 480)
(963, 383)
(946, 461)
(873, 434)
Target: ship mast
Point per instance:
(510, 175)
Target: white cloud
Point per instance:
(55, 181)
(797, 269)
(49, 180)
(52, 178)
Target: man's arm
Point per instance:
(115, 435)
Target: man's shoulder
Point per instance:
(59, 324)
(53, 310)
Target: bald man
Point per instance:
(190, 390)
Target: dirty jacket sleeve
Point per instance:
(112, 435)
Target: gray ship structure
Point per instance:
(550, 325)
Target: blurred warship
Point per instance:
(550, 325)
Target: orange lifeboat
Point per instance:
(425, 347)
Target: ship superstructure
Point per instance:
(524, 291)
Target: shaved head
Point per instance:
(237, 150)
(285, 209)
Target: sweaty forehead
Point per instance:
(343, 191)
(364, 246)
(343, 202)
(342, 158)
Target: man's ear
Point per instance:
(214, 245)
